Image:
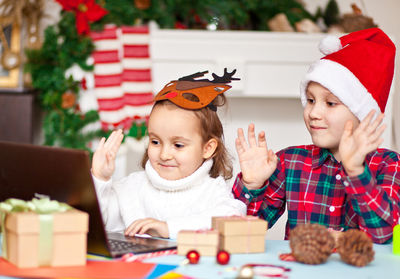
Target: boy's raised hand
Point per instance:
(355, 145)
(256, 161)
(103, 162)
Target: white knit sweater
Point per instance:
(187, 203)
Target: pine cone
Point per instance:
(356, 22)
(142, 4)
(355, 248)
(311, 243)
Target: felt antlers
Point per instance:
(189, 92)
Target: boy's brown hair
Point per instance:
(210, 127)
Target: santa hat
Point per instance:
(358, 69)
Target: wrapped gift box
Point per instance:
(203, 241)
(32, 242)
(241, 234)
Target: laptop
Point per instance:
(64, 175)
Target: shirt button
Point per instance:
(331, 208)
(247, 196)
(338, 177)
(346, 183)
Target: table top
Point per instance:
(385, 264)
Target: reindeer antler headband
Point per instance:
(191, 93)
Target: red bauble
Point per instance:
(223, 257)
(193, 256)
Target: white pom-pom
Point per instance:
(330, 44)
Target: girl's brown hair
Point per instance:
(210, 127)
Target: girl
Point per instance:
(185, 165)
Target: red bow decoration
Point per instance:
(85, 11)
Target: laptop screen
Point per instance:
(60, 173)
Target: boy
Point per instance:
(343, 180)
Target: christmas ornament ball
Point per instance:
(223, 257)
(193, 256)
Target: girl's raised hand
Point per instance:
(103, 162)
(256, 161)
(355, 145)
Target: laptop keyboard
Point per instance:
(126, 246)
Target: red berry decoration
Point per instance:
(223, 257)
(193, 256)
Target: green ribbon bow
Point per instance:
(45, 208)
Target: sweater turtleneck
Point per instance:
(185, 183)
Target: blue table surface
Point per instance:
(385, 265)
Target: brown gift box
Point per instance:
(203, 241)
(68, 245)
(241, 234)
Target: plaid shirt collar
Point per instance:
(320, 155)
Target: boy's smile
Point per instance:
(325, 116)
(316, 127)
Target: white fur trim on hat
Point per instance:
(343, 84)
(330, 44)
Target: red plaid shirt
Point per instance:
(316, 189)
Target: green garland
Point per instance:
(194, 14)
(63, 47)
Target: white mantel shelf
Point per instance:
(270, 64)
